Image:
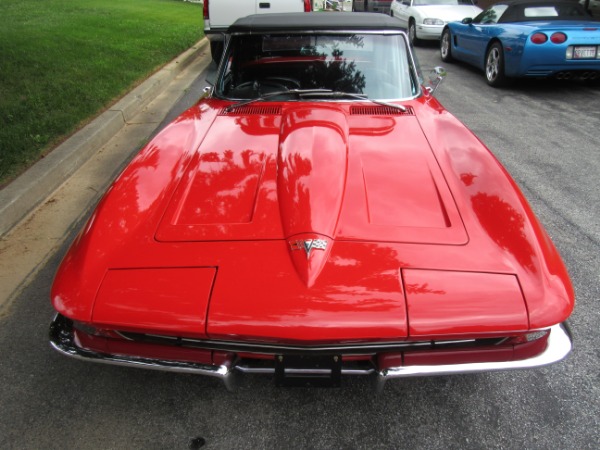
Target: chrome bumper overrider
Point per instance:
(62, 339)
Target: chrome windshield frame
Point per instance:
(412, 60)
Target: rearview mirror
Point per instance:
(467, 20)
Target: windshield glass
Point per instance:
(442, 2)
(378, 66)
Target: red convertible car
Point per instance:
(317, 215)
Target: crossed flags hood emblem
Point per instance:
(308, 245)
(316, 249)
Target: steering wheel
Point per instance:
(271, 83)
(284, 80)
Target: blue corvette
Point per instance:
(527, 38)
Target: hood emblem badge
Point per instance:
(308, 244)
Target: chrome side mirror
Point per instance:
(436, 76)
(207, 91)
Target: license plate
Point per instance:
(581, 52)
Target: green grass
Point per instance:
(64, 61)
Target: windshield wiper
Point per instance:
(298, 92)
(302, 93)
(340, 94)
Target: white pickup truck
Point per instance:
(220, 14)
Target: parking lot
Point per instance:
(547, 135)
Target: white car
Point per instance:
(220, 14)
(425, 19)
(332, 5)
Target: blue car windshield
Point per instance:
(545, 11)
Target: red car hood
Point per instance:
(313, 170)
(313, 223)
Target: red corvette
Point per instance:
(317, 214)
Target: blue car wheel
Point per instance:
(446, 46)
(494, 65)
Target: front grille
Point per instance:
(276, 348)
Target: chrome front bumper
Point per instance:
(62, 339)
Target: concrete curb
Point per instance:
(25, 193)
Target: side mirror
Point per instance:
(207, 91)
(436, 76)
(467, 20)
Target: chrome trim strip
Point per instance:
(560, 343)
(387, 32)
(275, 349)
(271, 371)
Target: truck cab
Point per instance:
(220, 14)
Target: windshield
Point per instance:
(378, 66)
(442, 2)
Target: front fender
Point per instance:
(128, 213)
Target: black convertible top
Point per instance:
(317, 21)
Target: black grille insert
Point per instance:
(380, 110)
(251, 110)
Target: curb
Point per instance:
(29, 190)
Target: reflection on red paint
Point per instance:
(467, 178)
(505, 226)
(312, 165)
(223, 188)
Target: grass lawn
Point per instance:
(64, 61)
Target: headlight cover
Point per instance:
(433, 22)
